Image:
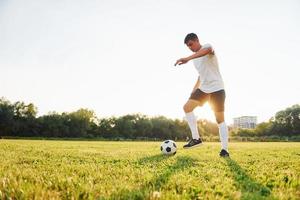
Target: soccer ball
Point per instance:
(168, 147)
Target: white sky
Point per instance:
(116, 57)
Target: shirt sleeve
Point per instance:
(206, 46)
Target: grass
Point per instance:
(33, 169)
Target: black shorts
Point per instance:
(215, 99)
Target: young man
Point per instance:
(209, 87)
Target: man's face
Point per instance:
(193, 45)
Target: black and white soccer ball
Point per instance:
(168, 147)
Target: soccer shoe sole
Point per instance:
(224, 156)
(197, 145)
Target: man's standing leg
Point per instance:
(223, 132)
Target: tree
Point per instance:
(80, 122)
(142, 125)
(125, 126)
(106, 128)
(24, 119)
(161, 128)
(6, 117)
(21, 110)
(53, 125)
(287, 122)
(263, 128)
(208, 128)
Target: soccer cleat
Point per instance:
(193, 143)
(224, 153)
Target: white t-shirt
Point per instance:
(209, 74)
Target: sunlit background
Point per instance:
(116, 57)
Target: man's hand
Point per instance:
(181, 61)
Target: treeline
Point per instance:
(20, 120)
(285, 123)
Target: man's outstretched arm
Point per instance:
(200, 53)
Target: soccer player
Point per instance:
(209, 87)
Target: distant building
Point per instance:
(245, 122)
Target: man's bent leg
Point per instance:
(190, 117)
(190, 105)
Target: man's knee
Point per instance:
(219, 120)
(219, 117)
(189, 107)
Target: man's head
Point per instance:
(192, 42)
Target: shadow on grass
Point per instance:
(145, 191)
(250, 189)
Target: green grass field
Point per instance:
(37, 169)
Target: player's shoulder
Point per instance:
(209, 46)
(206, 46)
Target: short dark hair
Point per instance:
(190, 36)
